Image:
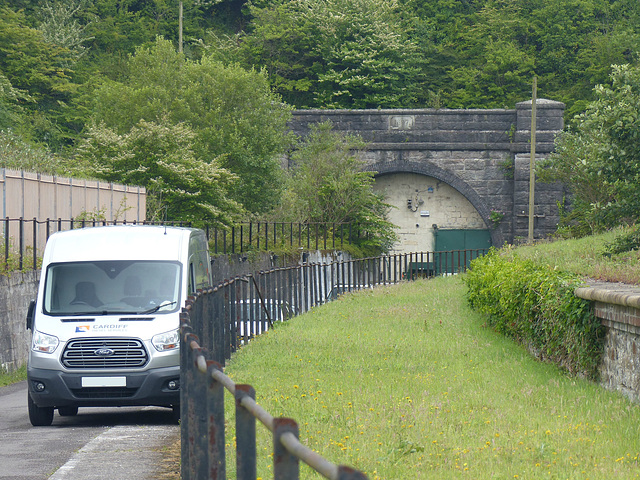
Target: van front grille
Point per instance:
(105, 353)
(107, 392)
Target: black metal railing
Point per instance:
(22, 240)
(264, 236)
(215, 322)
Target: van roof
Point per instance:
(118, 242)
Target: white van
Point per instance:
(105, 324)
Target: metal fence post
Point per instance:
(21, 241)
(215, 425)
(198, 438)
(245, 436)
(186, 408)
(6, 243)
(218, 325)
(285, 465)
(35, 243)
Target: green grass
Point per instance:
(584, 256)
(13, 377)
(407, 382)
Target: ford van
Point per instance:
(105, 323)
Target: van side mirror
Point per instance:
(30, 310)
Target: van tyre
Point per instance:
(39, 416)
(175, 414)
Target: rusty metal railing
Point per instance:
(203, 435)
(215, 322)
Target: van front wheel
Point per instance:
(39, 416)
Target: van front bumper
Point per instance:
(54, 388)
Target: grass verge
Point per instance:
(407, 382)
(584, 256)
(13, 377)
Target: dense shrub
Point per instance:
(623, 243)
(535, 304)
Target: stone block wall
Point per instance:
(483, 154)
(618, 307)
(620, 369)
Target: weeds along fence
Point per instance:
(22, 240)
(216, 322)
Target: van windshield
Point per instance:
(134, 287)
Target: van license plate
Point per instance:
(104, 382)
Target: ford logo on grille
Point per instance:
(104, 352)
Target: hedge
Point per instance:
(535, 304)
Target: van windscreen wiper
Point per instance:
(157, 307)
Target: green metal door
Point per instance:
(456, 240)
(447, 240)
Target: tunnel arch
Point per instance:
(428, 169)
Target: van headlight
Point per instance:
(166, 341)
(44, 343)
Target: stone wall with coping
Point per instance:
(618, 307)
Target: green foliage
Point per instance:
(9, 377)
(231, 111)
(625, 242)
(599, 160)
(535, 305)
(496, 217)
(161, 157)
(327, 185)
(37, 69)
(336, 53)
(584, 257)
(17, 154)
(10, 109)
(487, 52)
(61, 27)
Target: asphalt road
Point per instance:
(98, 443)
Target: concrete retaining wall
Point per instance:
(16, 292)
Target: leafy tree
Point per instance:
(336, 53)
(61, 27)
(10, 109)
(117, 28)
(497, 62)
(18, 154)
(600, 159)
(231, 111)
(484, 54)
(37, 68)
(327, 185)
(161, 157)
(282, 42)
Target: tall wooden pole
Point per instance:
(180, 28)
(532, 160)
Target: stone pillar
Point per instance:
(549, 122)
